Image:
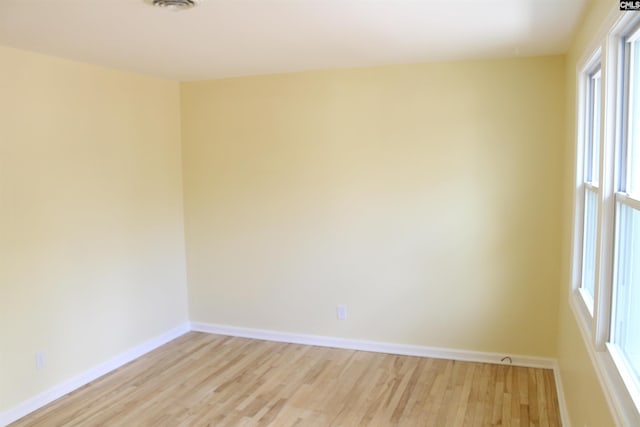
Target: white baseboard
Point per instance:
(562, 403)
(78, 381)
(375, 346)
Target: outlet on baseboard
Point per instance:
(41, 360)
(341, 312)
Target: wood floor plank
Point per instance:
(210, 380)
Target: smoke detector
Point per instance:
(174, 4)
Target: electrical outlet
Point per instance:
(41, 360)
(341, 312)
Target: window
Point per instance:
(606, 271)
(625, 323)
(590, 180)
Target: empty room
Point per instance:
(320, 213)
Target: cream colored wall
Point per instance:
(584, 396)
(424, 197)
(91, 218)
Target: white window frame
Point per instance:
(585, 138)
(619, 195)
(620, 386)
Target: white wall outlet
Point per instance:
(341, 312)
(41, 360)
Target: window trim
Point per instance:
(592, 63)
(631, 383)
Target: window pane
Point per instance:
(633, 186)
(626, 308)
(589, 243)
(595, 126)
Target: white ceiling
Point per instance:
(222, 38)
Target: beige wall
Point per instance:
(91, 222)
(585, 399)
(424, 197)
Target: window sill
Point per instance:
(619, 398)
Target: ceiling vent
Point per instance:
(174, 4)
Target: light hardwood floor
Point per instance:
(211, 380)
